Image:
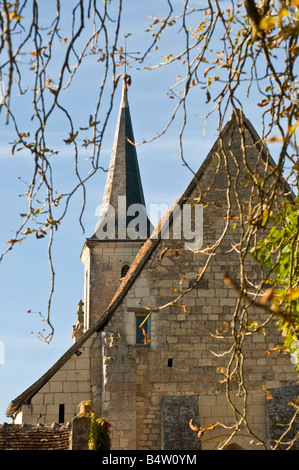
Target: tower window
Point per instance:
(142, 330)
(124, 270)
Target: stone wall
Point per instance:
(128, 384)
(69, 386)
(103, 262)
(280, 412)
(177, 411)
(119, 386)
(185, 357)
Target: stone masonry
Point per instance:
(133, 384)
(103, 262)
(179, 361)
(69, 386)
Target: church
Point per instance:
(146, 350)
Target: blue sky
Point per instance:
(24, 271)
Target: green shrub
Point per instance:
(99, 434)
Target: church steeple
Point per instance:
(123, 194)
(123, 225)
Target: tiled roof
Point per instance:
(34, 437)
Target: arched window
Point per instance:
(124, 271)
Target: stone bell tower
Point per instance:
(123, 224)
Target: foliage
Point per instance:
(99, 435)
(99, 431)
(278, 253)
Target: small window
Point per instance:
(124, 271)
(142, 330)
(61, 414)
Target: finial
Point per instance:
(126, 78)
(80, 312)
(78, 329)
(125, 87)
(126, 81)
(125, 54)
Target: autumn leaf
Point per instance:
(36, 211)
(40, 234)
(146, 340)
(273, 139)
(268, 394)
(202, 431)
(267, 296)
(163, 253)
(24, 134)
(192, 426)
(207, 70)
(54, 92)
(71, 138)
(13, 241)
(270, 351)
(268, 22)
(174, 250)
(232, 217)
(28, 231)
(292, 294)
(15, 16)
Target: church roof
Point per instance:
(140, 261)
(123, 187)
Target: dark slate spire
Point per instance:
(123, 190)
